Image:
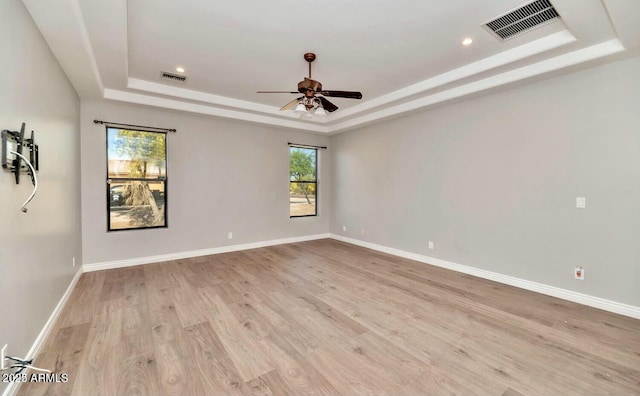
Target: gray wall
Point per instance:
(36, 248)
(493, 182)
(223, 176)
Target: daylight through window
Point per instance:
(136, 179)
(303, 181)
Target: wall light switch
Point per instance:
(581, 202)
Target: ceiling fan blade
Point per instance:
(328, 106)
(291, 104)
(342, 94)
(289, 92)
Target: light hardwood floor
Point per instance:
(329, 318)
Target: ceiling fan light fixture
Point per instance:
(300, 108)
(320, 111)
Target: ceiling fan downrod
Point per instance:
(309, 57)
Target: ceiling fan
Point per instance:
(314, 100)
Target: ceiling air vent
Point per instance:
(523, 19)
(173, 77)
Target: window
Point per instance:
(136, 179)
(303, 181)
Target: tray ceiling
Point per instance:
(403, 55)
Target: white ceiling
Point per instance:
(403, 55)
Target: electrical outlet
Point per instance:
(344, 228)
(73, 261)
(230, 235)
(431, 245)
(3, 357)
(581, 202)
(362, 231)
(578, 273)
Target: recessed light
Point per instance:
(467, 41)
(180, 69)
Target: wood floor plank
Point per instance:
(88, 290)
(137, 337)
(138, 374)
(98, 372)
(259, 387)
(277, 385)
(283, 322)
(438, 382)
(328, 318)
(318, 318)
(397, 365)
(62, 358)
(249, 359)
(258, 327)
(210, 362)
(402, 329)
(161, 275)
(351, 374)
(281, 279)
(171, 346)
(190, 307)
(196, 271)
(512, 392)
(115, 281)
(291, 370)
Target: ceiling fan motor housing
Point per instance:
(309, 85)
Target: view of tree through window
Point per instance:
(303, 183)
(136, 179)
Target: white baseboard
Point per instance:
(197, 253)
(580, 298)
(13, 387)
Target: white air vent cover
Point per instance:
(523, 19)
(173, 77)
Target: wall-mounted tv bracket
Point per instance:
(13, 144)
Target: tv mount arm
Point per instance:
(13, 143)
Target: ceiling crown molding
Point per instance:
(96, 60)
